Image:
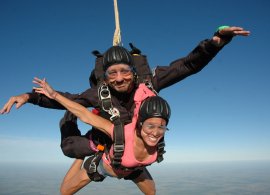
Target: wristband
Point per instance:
(222, 27)
(226, 38)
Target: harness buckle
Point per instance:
(104, 92)
(105, 97)
(92, 167)
(118, 148)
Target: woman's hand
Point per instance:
(44, 88)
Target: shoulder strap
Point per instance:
(119, 142)
(119, 137)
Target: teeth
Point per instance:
(153, 139)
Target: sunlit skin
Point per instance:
(152, 139)
(121, 83)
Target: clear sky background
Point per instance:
(221, 113)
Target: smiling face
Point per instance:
(152, 130)
(120, 77)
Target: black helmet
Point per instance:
(116, 55)
(154, 106)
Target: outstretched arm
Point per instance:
(86, 98)
(196, 60)
(80, 111)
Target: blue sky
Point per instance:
(221, 113)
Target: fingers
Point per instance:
(44, 88)
(38, 90)
(239, 31)
(39, 81)
(36, 79)
(9, 104)
(4, 110)
(242, 33)
(235, 30)
(7, 107)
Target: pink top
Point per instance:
(128, 158)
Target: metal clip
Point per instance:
(104, 92)
(105, 97)
(114, 112)
(93, 166)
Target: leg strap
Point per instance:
(91, 165)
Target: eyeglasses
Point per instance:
(149, 128)
(113, 73)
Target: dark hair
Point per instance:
(116, 55)
(154, 106)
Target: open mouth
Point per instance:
(152, 139)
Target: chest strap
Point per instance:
(119, 142)
(118, 137)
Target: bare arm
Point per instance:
(80, 111)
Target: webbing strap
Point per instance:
(119, 137)
(119, 142)
(150, 86)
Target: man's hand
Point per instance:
(225, 34)
(18, 100)
(233, 31)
